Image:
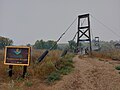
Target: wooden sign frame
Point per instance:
(17, 55)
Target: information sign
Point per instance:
(17, 55)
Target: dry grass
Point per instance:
(1, 55)
(111, 54)
(38, 72)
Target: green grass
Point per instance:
(117, 67)
(63, 67)
(53, 77)
(28, 83)
(66, 70)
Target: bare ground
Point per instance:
(88, 74)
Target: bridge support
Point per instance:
(84, 31)
(97, 43)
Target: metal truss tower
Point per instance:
(84, 30)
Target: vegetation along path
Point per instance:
(90, 74)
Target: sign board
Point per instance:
(17, 55)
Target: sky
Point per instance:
(25, 21)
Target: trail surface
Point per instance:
(90, 74)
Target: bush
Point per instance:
(43, 70)
(65, 70)
(53, 77)
(117, 67)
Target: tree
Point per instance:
(36, 45)
(72, 45)
(50, 44)
(5, 42)
(40, 44)
(28, 45)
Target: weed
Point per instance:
(64, 66)
(44, 69)
(53, 77)
(100, 59)
(65, 70)
(19, 79)
(117, 67)
(28, 83)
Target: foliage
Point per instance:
(72, 45)
(28, 45)
(117, 67)
(28, 83)
(40, 44)
(50, 69)
(1, 54)
(62, 46)
(5, 42)
(110, 54)
(53, 77)
(65, 70)
(63, 66)
(43, 70)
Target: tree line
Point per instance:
(39, 44)
(5, 42)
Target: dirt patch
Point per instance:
(90, 74)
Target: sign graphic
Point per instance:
(17, 55)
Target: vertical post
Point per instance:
(78, 34)
(89, 35)
(10, 70)
(24, 71)
(97, 44)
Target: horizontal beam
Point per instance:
(83, 16)
(84, 40)
(85, 27)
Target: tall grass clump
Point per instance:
(117, 67)
(63, 67)
(1, 55)
(109, 54)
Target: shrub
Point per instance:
(117, 67)
(65, 70)
(43, 70)
(53, 77)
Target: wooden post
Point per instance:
(24, 71)
(10, 70)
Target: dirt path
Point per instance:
(90, 74)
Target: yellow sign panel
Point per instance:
(17, 55)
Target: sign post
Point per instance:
(17, 55)
(10, 70)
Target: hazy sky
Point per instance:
(25, 21)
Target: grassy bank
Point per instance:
(52, 68)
